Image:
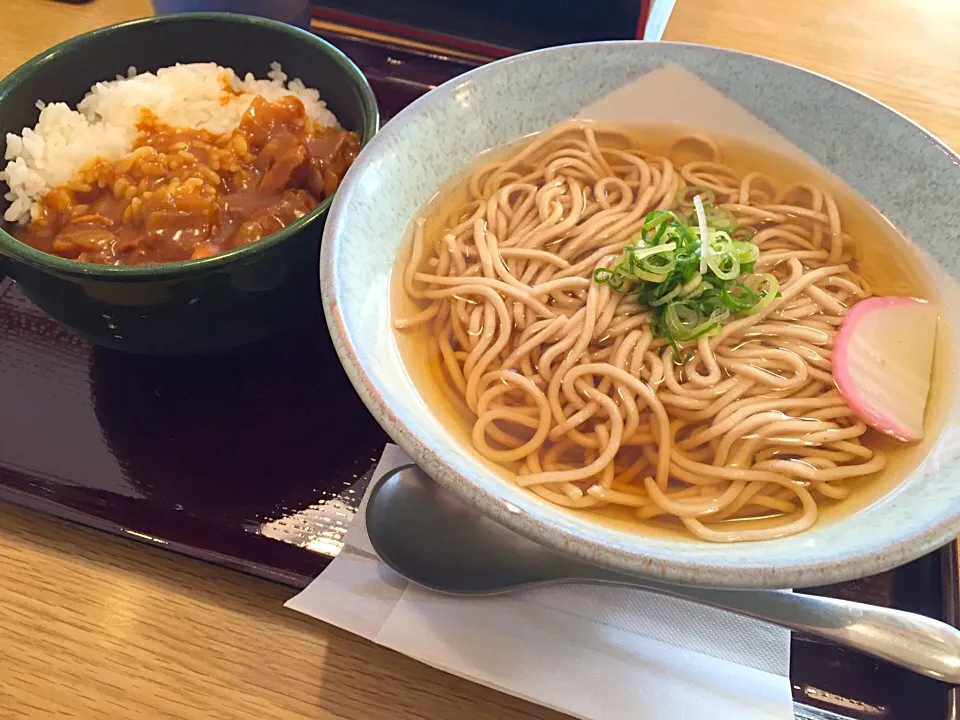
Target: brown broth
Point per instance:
(885, 259)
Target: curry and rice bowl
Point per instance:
(180, 164)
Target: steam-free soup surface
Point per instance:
(555, 308)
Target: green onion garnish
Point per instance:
(685, 197)
(693, 277)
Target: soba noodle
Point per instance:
(568, 382)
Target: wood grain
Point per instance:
(96, 627)
(904, 53)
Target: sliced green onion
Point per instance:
(770, 292)
(721, 219)
(655, 218)
(659, 234)
(685, 322)
(649, 276)
(747, 252)
(682, 319)
(704, 237)
(686, 197)
(704, 288)
(660, 264)
(662, 326)
(606, 276)
(739, 297)
(657, 302)
(690, 287)
(694, 275)
(602, 275)
(688, 234)
(719, 315)
(724, 262)
(653, 264)
(638, 254)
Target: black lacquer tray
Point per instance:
(225, 460)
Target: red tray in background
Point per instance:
(256, 461)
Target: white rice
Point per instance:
(104, 123)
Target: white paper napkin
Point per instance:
(593, 652)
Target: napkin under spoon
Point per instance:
(434, 539)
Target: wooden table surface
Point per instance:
(95, 627)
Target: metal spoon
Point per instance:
(434, 539)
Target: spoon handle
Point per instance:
(924, 645)
(433, 538)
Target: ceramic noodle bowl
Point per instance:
(863, 151)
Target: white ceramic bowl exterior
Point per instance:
(899, 168)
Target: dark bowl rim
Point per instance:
(13, 249)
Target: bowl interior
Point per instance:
(896, 166)
(66, 72)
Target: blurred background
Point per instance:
(492, 28)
